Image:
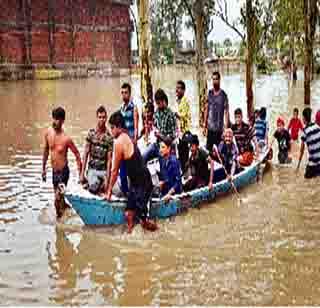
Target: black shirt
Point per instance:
(283, 138)
(199, 165)
(137, 171)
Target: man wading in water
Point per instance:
(57, 143)
(140, 186)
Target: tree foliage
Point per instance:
(287, 27)
(166, 26)
(190, 8)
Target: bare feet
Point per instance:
(149, 225)
(130, 219)
(59, 211)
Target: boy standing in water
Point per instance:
(57, 143)
(295, 125)
(284, 142)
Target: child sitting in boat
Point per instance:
(170, 171)
(245, 138)
(200, 175)
(282, 135)
(228, 154)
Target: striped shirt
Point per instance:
(244, 135)
(127, 112)
(311, 136)
(261, 129)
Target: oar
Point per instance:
(225, 170)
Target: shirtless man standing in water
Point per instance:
(57, 143)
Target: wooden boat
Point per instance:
(95, 210)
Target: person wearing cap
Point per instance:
(200, 175)
(170, 171)
(282, 135)
(229, 154)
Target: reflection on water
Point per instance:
(262, 252)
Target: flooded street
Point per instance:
(264, 251)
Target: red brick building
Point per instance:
(63, 32)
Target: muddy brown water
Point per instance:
(264, 251)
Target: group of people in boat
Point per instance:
(112, 151)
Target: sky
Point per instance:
(220, 31)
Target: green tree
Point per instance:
(144, 50)
(166, 27)
(288, 27)
(251, 13)
(311, 14)
(200, 19)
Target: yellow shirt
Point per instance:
(184, 114)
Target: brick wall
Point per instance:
(9, 10)
(11, 46)
(63, 51)
(81, 31)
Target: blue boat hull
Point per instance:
(96, 211)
